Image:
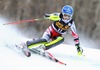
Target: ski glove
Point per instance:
(53, 16)
(79, 49)
(47, 16)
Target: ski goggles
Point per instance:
(66, 16)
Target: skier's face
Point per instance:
(66, 17)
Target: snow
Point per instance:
(12, 59)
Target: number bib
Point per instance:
(61, 26)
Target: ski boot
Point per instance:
(24, 49)
(41, 48)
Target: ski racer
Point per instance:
(53, 35)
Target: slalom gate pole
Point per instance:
(23, 21)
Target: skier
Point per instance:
(53, 35)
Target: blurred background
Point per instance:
(86, 16)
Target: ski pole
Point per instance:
(23, 21)
(47, 55)
(56, 60)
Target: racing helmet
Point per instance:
(67, 9)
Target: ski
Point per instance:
(46, 54)
(38, 50)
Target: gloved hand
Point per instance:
(79, 49)
(53, 16)
(47, 16)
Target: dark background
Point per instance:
(86, 16)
